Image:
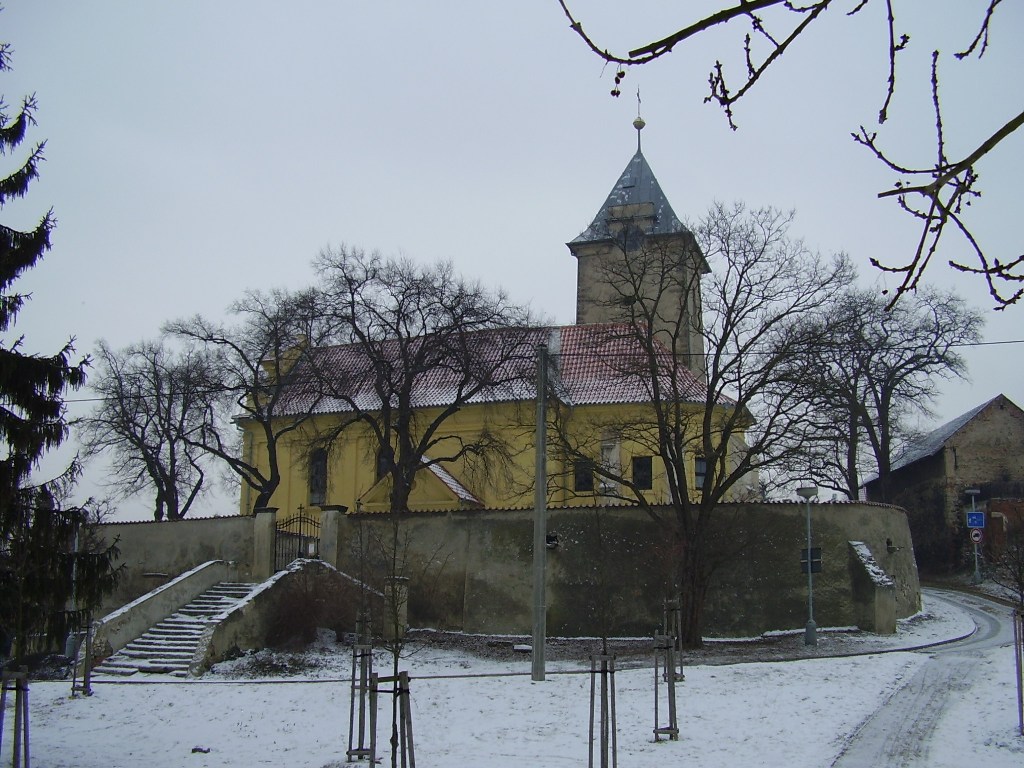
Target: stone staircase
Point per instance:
(169, 647)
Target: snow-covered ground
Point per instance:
(469, 711)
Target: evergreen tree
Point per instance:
(45, 573)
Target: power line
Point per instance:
(590, 354)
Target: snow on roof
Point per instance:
(636, 185)
(605, 363)
(463, 493)
(593, 364)
(931, 443)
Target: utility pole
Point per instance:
(540, 534)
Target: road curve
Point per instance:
(898, 733)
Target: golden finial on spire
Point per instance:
(639, 122)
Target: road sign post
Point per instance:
(975, 521)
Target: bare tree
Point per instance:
(878, 367)
(935, 194)
(417, 345)
(1005, 564)
(714, 436)
(154, 404)
(253, 364)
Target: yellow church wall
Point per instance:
(351, 479)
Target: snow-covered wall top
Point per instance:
(873, 569)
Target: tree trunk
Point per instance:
(401, 489)
(693, 580)
(262, 499)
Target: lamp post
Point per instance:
(807, 493)
(540, 535)
(973, 493)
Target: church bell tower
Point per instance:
(637, 262)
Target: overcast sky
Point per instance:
(196, 149)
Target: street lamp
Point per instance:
(973, 493)
(807, 493)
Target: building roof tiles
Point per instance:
(592, 364)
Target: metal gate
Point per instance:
(297, 536)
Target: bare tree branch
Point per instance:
(406, 336)
(253, 364)
(738, 419)
(935, 195)
(154, 402)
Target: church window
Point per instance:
(700, 472)
(643, 473)
(583, 475)
(384, 463)
(318, 477)
(609, 462)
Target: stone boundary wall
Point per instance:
(153, 553)
(472, 570)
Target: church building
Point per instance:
(459, 555)
(638, 301)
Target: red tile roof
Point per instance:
(592, 364)
(606, 363)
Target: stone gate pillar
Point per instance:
(330, 533)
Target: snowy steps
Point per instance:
(169, 646)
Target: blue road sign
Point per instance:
(975, 519)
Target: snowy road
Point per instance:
(899, 733)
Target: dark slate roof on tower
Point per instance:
(636, 185)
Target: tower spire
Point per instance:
(639, 122)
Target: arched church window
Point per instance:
(318, 477)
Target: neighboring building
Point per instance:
(984, 450)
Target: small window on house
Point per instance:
(583, 475)
(643, 474)
(318, 477)
(700, 471)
